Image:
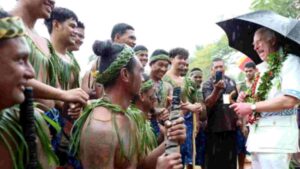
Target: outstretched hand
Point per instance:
(75, 96)
(241, 109)
(197, 107)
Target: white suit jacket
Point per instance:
(277, 132)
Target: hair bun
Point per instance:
(102, 48)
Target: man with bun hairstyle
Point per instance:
(106, 135)
(121, 33)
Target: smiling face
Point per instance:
(15, 70)
(159, 69)
(197, 77)
(66, 31)
(179, 63)
(79, 37)
(264, 43)
(143, 57)
(128, 38)
(40, 8)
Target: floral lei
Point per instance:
(275, 62)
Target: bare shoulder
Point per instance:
(99, 142)
(101, 114)
(104, 115)
(40, 42)
(99, 125)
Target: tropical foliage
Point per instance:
(288, 8)
(205, 54)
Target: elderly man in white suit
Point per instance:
(274, 136)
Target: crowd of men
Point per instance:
(118, 116)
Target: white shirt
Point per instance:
(278, 131)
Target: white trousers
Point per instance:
(270, 160)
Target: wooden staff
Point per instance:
(173, 146)
(28, 126)
(194, 138)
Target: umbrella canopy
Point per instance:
(240, 31)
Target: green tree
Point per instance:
(288, 8)
(205, 54)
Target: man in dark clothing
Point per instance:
(221, 124)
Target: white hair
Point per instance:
(269, 35)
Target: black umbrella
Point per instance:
(240, 31)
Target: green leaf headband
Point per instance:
(11, 27)
(159, 57)
(147, 85)
(193, 72)
(114, 68)
(140, 51)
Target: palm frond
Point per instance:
(11, 135)
(41, 127)
(39, 60)
(52, 123)
(189, 89)
(66, 70)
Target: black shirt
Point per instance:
(220, 117)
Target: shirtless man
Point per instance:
(107, 135)
(178, 58)
(15, 68)
(122, 33)
(159, 62)
(80, 35)
(15, 71)
(45, 82)
(62, 28)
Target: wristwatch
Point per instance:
(253, 107)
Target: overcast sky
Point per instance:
(158, 23)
